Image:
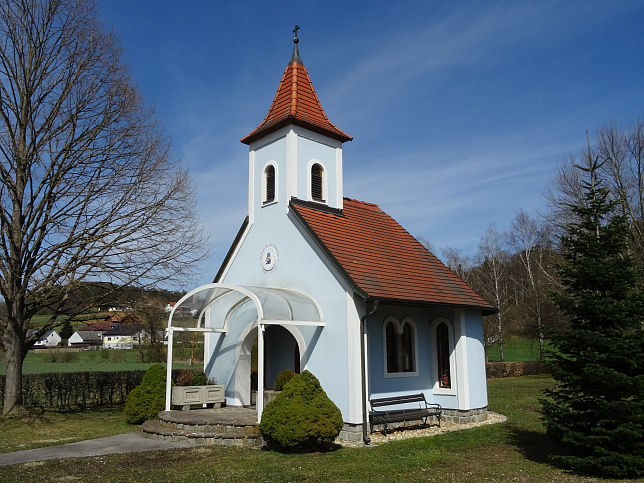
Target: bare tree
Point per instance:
(87, 191)
(493, 282)
(620, 153)
(530, 241)
(153, 317)
(458, 263)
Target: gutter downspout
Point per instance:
(365, 437)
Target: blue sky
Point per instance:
(459, 111)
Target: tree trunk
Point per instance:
(500, 330)
(542, 339)
(16, 353)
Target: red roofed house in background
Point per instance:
(333, 285)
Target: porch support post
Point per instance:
(168, 376)
(260, 371)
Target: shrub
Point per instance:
(148, 398)
(184, 378)
(282, 378)
(199, 378)
(301, 417)
(191, 377)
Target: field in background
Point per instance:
(99, 360)
(516, 349)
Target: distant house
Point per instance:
(169, 307)
(123, 336)
(86, 338)
(49, 339)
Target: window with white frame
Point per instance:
(317, 178)
(269, 184)
(400, 346)
(444, 358)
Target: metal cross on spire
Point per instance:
(296, 53)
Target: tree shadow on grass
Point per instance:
(315, 448)
(535, 446)
(541, 448)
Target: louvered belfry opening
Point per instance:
(270, 184)
(316, 182)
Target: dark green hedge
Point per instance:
(74, 390)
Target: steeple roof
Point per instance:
(296, 103)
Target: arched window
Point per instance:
(269, 183)
(392, 347)
(442, 355)
(407, 347)
(317, 175)
(400, 346)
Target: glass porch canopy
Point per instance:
(274, 306)
(277, 306)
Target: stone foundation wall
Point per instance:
(353, 432)
(464, 416)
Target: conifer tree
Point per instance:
(596, 409)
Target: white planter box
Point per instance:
(187, 395)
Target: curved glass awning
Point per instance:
(211, 307)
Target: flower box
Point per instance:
(185, 396)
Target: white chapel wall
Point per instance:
(298, 267)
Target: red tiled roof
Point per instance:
(296, 102)
(382, 258)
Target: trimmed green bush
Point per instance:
(147, 399)
(282, 378)
(301, 417)
(199, 378)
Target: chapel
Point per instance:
(319, 281)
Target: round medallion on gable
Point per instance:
(269, 258)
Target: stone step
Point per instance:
(225, 430)
(247, 437)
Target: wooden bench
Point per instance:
(386, 416)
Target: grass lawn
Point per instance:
(47, 428)
(513, 450)
(515, 349)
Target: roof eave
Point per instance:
(291, 119)
(486, 310)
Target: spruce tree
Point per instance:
(67, 331)
(596, 408)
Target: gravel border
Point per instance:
(377, 438)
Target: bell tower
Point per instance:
(295, 152)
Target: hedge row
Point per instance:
(73, 390)
(514, 369)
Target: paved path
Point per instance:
(120, 443)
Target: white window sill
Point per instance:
(444, 391)
(390, 375)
